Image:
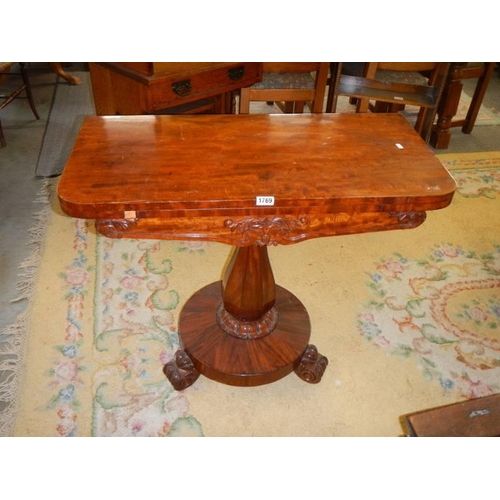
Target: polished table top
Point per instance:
(181, 168)
(208, 161)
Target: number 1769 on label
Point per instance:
(264, 201)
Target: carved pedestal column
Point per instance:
(245, 330)
(249, 295)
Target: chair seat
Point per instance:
(285, 81)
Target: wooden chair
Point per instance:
(293, 84)
(448, 107)
(398, 84)
(5, 73)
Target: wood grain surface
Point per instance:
(211, 165)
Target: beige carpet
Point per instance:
(408, 319)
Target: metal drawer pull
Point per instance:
(182, 88)
(236, 73)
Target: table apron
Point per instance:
(259, 230)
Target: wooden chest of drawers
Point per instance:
(143, 88)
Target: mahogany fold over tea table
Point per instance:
(250, 181)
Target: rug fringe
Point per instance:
(14, 336)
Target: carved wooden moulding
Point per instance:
(261, 231)
(115, 228)
(247, 330)
(268, 231)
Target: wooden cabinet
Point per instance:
(478, 417)
(137, 88)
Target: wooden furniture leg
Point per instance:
(5, 71)
(2, 137)
(440, 136)
(245, 330)
(244, 100)
(477, 98)
(58, 70)
(370, 70)
(27, 87)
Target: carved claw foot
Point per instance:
(312, 365)
(180, 371)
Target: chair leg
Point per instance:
(477, 98)
(285, 106)
(425, 122)
(380, 107)
(2, 137)
(362, 105)
(244, 107)
(230, 102)
(59, 71)
(26, 82)
(395, 107)
(332, 96)
(299, 107)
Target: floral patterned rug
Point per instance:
(408, 319)
(446, 304)
(442, 310)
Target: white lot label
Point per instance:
(264, 201)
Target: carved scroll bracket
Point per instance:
(408, 220)
(115, 228)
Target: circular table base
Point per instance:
(229, 360)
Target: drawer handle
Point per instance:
(237, 73)
(182, 88)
